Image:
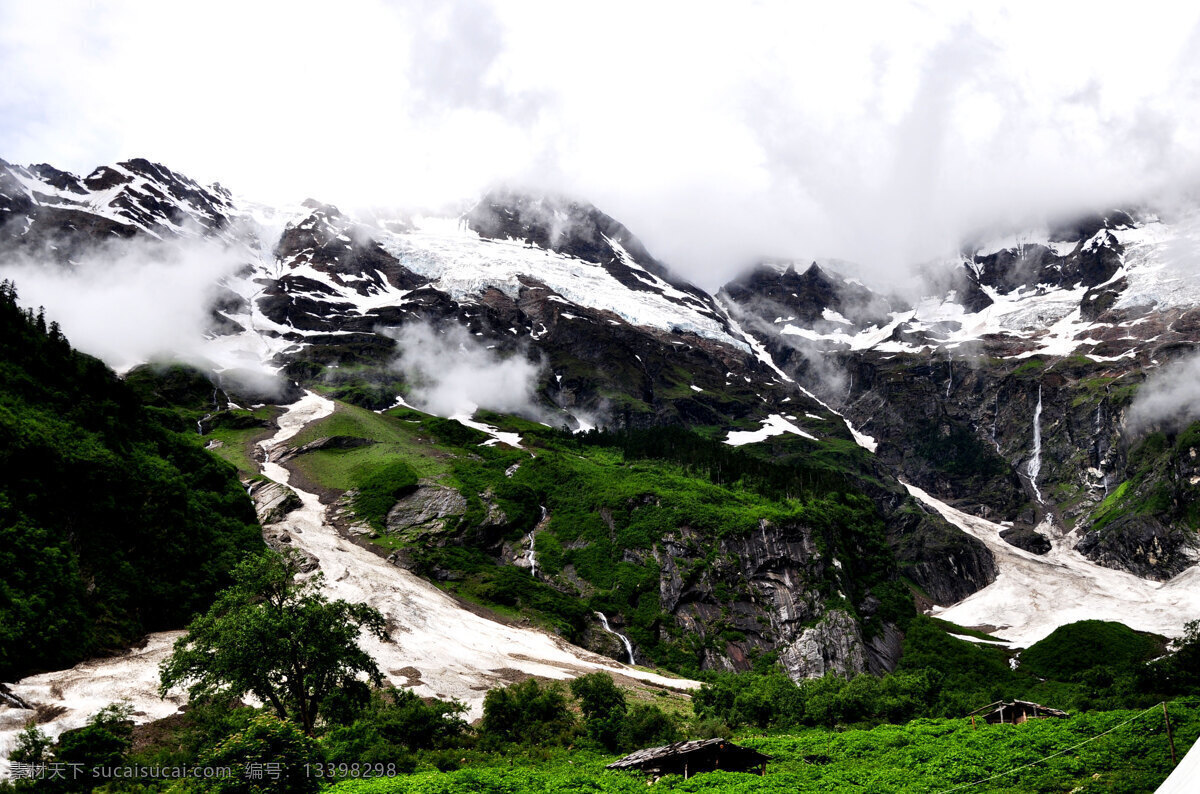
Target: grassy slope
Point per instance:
(395, 435)
(922, 756)
(607, 516)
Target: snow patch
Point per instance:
(773, 425)
(1033, 595)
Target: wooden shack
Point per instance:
(692, 758)
(1014, 712)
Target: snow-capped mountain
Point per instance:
(548, 279)
(1107, 287)
(1004, 393)
(1008, 392)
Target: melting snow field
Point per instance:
(463, 264)
(1033, 595)
(439, 648)
(773, 425)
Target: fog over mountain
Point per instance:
(881, 136)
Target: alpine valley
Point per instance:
(540, 453)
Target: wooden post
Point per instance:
(685, 770)
(973, 726)
(1170, 738)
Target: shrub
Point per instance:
(526, 712)
(103, 742)
(269, 755)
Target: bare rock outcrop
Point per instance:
(427, 509)
(833, 645)
(272, 501)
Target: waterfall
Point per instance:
(1100, 446)
(624, 639)
(216, 409)
(949, 376)
(1035, 463)
(531, 555)
(995, 416)
(531, 552)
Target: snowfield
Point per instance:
(773, 425)
(1033, 595)
(463, 264)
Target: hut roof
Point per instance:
(992, 708)
(651, 755)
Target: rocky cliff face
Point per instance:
(1008, 397)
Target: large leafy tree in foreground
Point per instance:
(278, 638)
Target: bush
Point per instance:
(269, 755)
(649, 726)
(103, 742)
(527, 713)
(603, 706)
(396, 723)
(31, 747)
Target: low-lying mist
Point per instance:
(1170, 398)
(451, 373)
(130, 301)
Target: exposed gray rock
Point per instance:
(833, 645)
(280, 540)
(945, 562)
(427, 509)
(1142, 545)
(12, 700)
(885, 649)
(496, 516)
(328, 442)
(779, 572)
(272, 501)
(1027, 539)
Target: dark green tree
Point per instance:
(278, 638)
(603, 706)
(102, 743)
(527, 713)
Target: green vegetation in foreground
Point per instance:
(551, 737)
(113, 520)
(922, 756)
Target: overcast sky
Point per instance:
(877, 132)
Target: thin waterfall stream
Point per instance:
(623, 638)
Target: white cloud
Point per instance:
(132, 301)
(878, 132)
(450, 373)
(1169, 398)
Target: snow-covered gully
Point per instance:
(438, 647)
(1033, 595)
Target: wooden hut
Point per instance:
(691, 758)
(1015, 712)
